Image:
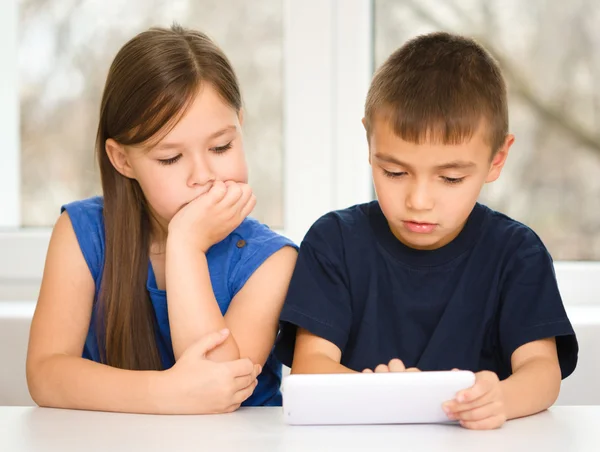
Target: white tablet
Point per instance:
(376, 398)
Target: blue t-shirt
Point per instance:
(231, 262)
(469, 304)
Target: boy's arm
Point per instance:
(535, 382)
(316, 319)
(533, 387)
(315, 355)
(536, 339)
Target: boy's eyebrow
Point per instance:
(212, 136)
(457, 164)
(389, 159)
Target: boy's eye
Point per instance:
(169, 161)
(393, 175)
(453, 180)
(221, 149)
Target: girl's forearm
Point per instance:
(193, 308)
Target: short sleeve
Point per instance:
(531, 309)
(255, 243)
(88, 224)
(318, 298)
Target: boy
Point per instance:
(426, 278)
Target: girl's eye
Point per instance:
(169, 161)
(393, 175)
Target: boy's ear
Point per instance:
(499, 159)
(119, 158)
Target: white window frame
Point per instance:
(10, 172)
(328, 64)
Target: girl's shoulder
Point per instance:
(87, 219)
(256, 234)
(247, 247)
(85, 210)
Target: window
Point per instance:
(282, 51)
(305, 67)
(64, 54)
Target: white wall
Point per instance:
(15, 318)
(583, 386)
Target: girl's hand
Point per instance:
(211, 217)
(196, 385)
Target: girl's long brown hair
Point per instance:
(151, 82)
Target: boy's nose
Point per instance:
(419, 198)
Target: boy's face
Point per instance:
(427, 191)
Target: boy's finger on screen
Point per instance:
(396, 365)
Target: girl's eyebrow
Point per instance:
(166, 145)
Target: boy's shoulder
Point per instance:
(504, 232)
(362, 226)
(343, 225)
(350, 216)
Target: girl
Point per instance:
(172, 219)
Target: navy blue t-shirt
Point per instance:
(467, 305)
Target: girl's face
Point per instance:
(204, 146)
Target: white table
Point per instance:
(564, 429)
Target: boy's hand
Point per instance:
(481, 407)
(395, 365)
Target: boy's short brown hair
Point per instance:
(440, 87)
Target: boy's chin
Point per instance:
(424, 242)
(411, 243)
(423, 245)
